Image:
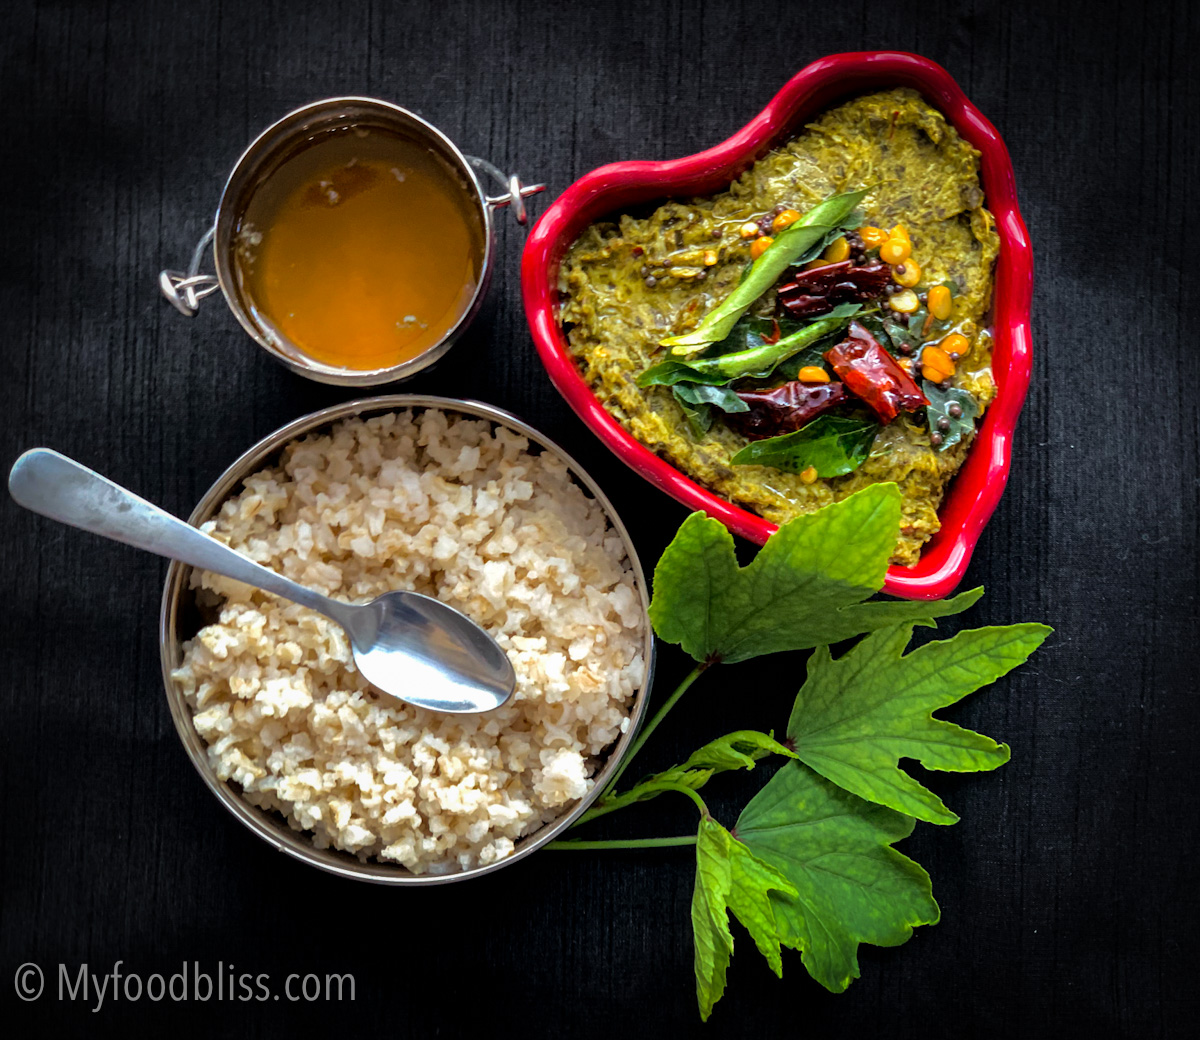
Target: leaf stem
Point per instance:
(624, 843)
(652, 725)
(601, 809)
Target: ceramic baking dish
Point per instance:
(975, 491)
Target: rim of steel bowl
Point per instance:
(272, 827)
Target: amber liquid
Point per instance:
(362, 249)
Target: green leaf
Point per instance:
(740, 750)
(763, 361)
(669, 373)
(857, 715)
(844, 310)
(853, 220)
(699, 416)
(730, 878)
(698, 401)
(890, 333)
(833, 444)
(751, 332)
(764, 328)
(804, 588)
(717, 396)
(916, 325)
(940, 399)
(850, 885)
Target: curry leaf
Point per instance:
(850, 885)
(941, 399)
(890, 333)
(804, 588)
(831, 444)
(752, 331)
(730, 878)
(916, 325)
(698, 400)
(717, 396)
(857, 715)
(844, 310)
(699, 416)
(767, 329)
(849, 223)
(668, 373)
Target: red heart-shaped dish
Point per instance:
(975, 491)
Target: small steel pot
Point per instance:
(174, 618)
(185, 289)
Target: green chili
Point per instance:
(758, 361)
(788, 246)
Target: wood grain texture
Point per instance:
(1068, 890)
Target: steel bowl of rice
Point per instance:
(453, 499)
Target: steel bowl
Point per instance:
(178, 614)
(185, 289)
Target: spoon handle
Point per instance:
(58, 487)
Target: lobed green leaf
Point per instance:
(857, 715)
(805, 587)
(730, 878)
(849, 885)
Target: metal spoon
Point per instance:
(409, 646)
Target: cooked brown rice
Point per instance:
(458, 509)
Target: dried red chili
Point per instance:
(812, 293)
(784, 408)
(872, 374)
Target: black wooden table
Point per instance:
(1069, 888)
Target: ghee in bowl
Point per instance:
(361, 249)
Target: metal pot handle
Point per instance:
(185, 290)
(517, 192)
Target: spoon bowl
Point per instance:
(408, 646)
(426, 653)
